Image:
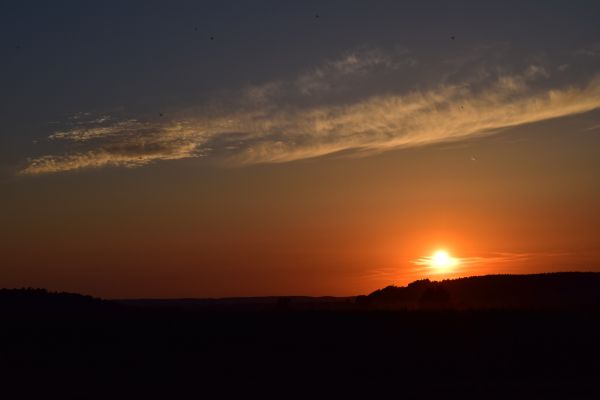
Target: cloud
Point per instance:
(352, 64)
(466, 266)
(94, 130)
(274, 122)
(335, 75)
(591, 50)
(593, 127)
(124, 144)
(469, 265)
(494, 258)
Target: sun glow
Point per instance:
(441, 260)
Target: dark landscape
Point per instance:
(497, 336)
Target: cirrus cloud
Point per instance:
(264, 128)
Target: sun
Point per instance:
(441, 260)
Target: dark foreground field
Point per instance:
(88, 348)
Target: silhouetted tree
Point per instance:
(435, 297)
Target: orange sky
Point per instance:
(332, 226)
(242, 149)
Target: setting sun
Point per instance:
(441, 260)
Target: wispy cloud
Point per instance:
(500, 257)
(352, 64)
(267, 125)
(593, 128)
(467, 262)
(97, 128)
(592, 50)
(466, 266)
(469, 265)
(125, 144)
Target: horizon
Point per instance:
(276, 296)
(272, 149)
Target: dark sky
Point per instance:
(250, 148)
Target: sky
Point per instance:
(215, 149)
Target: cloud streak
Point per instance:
(265, 128)
(123, 144)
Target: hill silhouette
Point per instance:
(563, 290)
(36, 301)
(499, 336)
